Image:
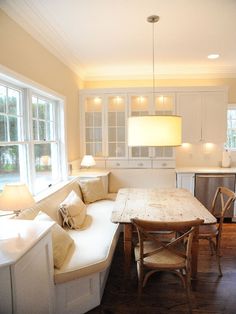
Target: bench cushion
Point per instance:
(94, 246)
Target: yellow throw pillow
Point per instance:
(61, 241)
(92, 190)
(28, 214)
(73, 211)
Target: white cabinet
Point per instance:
(214, 126)
(26, 267)
(186, 181)
(204, 116)
(104, 115)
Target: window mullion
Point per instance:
(30, 146)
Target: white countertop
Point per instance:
(205, 170)
(18, 236)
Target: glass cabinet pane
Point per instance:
(121, 118)
(97, 116)
(89, 119)
(164, 152)
(93, 126)
(111, 118)
(116, 126)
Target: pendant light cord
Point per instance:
(153, 64)
(153, 19)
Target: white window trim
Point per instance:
(230, 106)
(29, 87)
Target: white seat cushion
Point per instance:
(94, 246)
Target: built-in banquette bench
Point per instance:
(80, 281)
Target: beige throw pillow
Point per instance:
(61, 241)
(73, 211)
(92, 190)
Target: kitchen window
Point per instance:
(31, 137)
(231, 127)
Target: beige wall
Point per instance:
(21, 53)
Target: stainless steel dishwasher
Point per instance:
(206, 185)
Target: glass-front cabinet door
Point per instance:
(139, 106)
(93, 126)
(116, 126)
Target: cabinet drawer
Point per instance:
(116, 163)
(163, 163)
(140, 164)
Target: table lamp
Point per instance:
(88, 161)
(16, 197)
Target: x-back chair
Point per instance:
(153, 253)
(225, 198)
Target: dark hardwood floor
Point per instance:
(163, 293)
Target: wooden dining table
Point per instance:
(157, 204)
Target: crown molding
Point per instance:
(44, 32)
(52, 37)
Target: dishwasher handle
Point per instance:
(215, 175)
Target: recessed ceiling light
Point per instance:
(213, 56)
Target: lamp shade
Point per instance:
(16, 197)
(154, 131)
(88, 161)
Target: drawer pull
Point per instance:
(164, 164)
(140, 164)
(117, 164)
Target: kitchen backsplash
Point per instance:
(204, 155)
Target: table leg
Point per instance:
(195, 245)
(127, 246)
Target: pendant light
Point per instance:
(154, 130)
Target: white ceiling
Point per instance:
(110, 39)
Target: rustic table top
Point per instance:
(159, 204)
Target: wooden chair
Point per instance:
(223, 198)
(154, 253)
